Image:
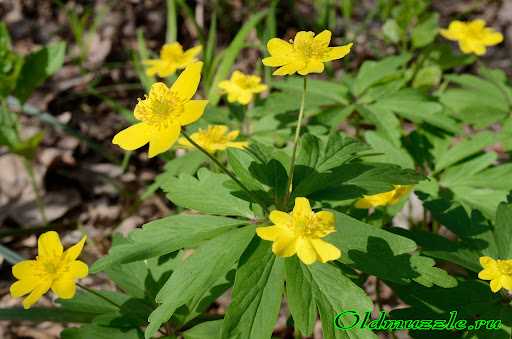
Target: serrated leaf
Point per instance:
(189, 192)
(198, 273)
(206, 330)
(101, 332)
(373, 72)
(166, 235)
(391, 153)
(257, 294)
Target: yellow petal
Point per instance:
(325, 251)
(133, 137)
(169, 51)
(188, 81)
(476, 25)
(237, 144)
(306, 251)
(472, 46)
(280, 218)
(275, 61)
(303, 38)
(492, 37)
(488, 274)
(74, 251)
(36, 294)
(456, 30)
(64, 287)
(323, 39)
(334, 53)
(486, 261)
(325, 218)
(279, 47)
(271, 233)
(193, 110)
(313, 66)
(506, 281)
(302, 208)
(49, 245)
(78, 269)
(285, 246)
(496, 285)
(363, 203)
(193, 52)
(24, 269)
(163, 139)
(288, 69)
(22, 287)
(245, 97)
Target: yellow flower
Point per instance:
(172, 57)
(300, 232)
(163, 112)
(242, 87)
(499, 272)
(53, 268)
(305, 55)
(473, 36)
(382, 199)
(214, 139)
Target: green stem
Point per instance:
(224, 169)
(107, 299)
(39, 199)
(295, 143)
(99, 295)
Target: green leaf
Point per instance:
(428, 76)
(257, 294)
(198, 273)
(332, 292)
(464, 149)
(328, 92)
(164, 236)
(391, 153)
(208, 193)
(426, 31)
(40, 314)
(354, 235)
(430, 275)
(230, 55)
(38, 67)
(373, 72)
(206, 330)
(388, 125)
(10, 63)
(101, 332)
(300, 297)
(188, 164)
(503, 230)
(391, 31)
(338, 151)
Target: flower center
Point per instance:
(308, 226)
(160, 110)
(309, 50)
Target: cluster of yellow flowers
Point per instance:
(165, 110)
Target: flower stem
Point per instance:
(295, 143)
(39, 199)
(99, 295)
(225, 170)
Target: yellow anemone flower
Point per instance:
(382, 199)
(300, 232)
(242, 87)
(473, 36)
(215, 138)
(163, 112)
(172, 58)
(305, 55)
(53, 268)
(499, 272)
